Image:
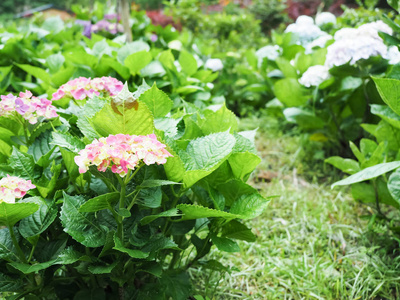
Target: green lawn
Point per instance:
(313, 243)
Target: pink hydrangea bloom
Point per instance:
(28, 106)
(122, 153)
(12, 187)
(82, 87)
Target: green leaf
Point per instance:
(137, 61)
(11, 213)
(55, 62)
(102, 268)
(91, 108)
(233, 189)
(366, 193)
(23, 164)
(236, 230)
(204, 155)
(28, 268)
(394, 185)
(287, 69)
(169, 213)
(100, 202)
(132, 253)
(219, 121)
(197, 212)
(243, 164)
(130, 121)
(94, 294)
(188, 63)
(130, 48)
(150, 197)
(67, 141)
(249, 206)
(303, 118)
(177, 285)
(290, 92)
(159, 242)
(36, 72)
(7, 248)
(38, 222)
(157, 101)
(369, 173)
(386, 114)
(149, 183)
(346, 165)
(225, 244)
(389, 90)
(82, 227)
(9, 284)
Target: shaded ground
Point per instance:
(313, 243)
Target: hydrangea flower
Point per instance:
(12, 187)
(122, 153)
(393, 55)
(319, 42)
(352, 45)
(270, 52)
(325, 18)
(214, 64)
(305, 30)
(82, 87)
(28, 106)
(104, 25)
(314, 76)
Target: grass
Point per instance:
(313, 242)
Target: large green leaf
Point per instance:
(221, 120)
(249, 206)
(225, 244)
(369, 173)
(82, 227)
(137, 61)
(23, 165)
(36, 72)
(386, 114)
(236, 230)
(394, 185)
(197, 212)
(303, 118)
(346, 165)
(131, 252)
(389, 89)
(11, 213)
(28, 268)
(130, 48)
(169, 213)
(85, 115)
(9, 284)
(7, 248)
(38, 222)
(157, 101)
(99, 202)
(188, 63)
(234, 189)
(290, 92)
(67, 141)
(243, 163)
(129, 121)
(204, 155)
(55, 62)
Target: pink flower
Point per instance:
(82, 88)
(122, 153)
(12, 187)
(28, 106)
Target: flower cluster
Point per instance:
(352, 45)
(214, 64)
(325, 18)
(314, 76)
(28, 106)
(122, 153)
(12, 187)
(104, 25)
(305, 30)
(82, 87)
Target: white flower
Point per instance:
(393, 55)
(325, 18)
(305, 30)
(372, 29)
(314, 76)
(319, 42)
(124, 96)
(270, 52)
(210, 85)
(214, 64)
(304, 20)
(346, 33)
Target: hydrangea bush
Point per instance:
(119, 196)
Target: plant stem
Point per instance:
(120, 228)
(133, 200)
(16, 245)
(32, 251)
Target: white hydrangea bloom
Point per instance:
(393, 55)
(304, 20)
(214, 64)
(314, 76)
(319, 42)
(372, 29)
(352, 44)
(305, 33)
(325, 18)
(270, 52)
